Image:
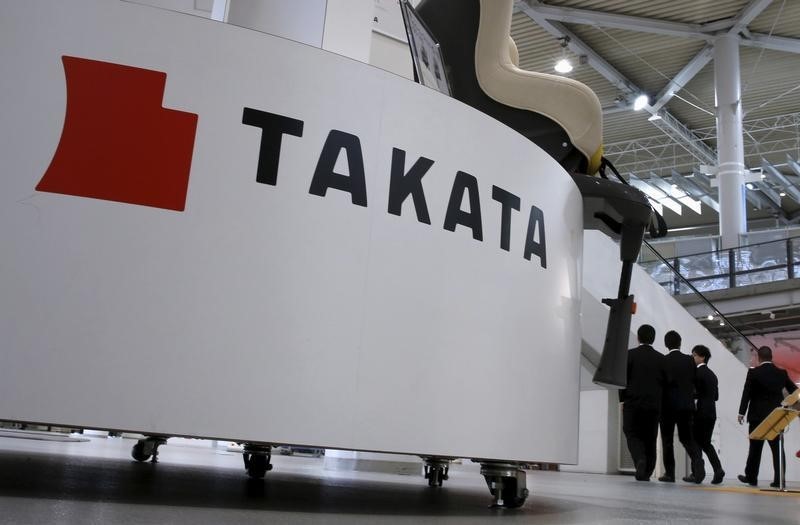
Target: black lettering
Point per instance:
(401, 185)
(324, 177)
(273, 127)
(472, 219)
(536, 222)
(508, 201)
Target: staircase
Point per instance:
(599, 443)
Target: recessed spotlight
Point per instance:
(782, 194)
(749, 186)
(710, 317)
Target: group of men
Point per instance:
(679, 390)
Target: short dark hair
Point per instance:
(646, 334)
(764, 353)
(672, 339)
(703, 352)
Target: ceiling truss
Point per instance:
(680, 147)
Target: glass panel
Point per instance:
(707, 285)
(754, 264)
(660, 272)
(761, 256)
(765, 276)
(696, 303)
(706, 271)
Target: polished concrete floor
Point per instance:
(96, 482)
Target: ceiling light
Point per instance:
(640, 102)
(782, 194)
(721, 322)
(749, 186)
(710, 317)
(563, 65)
(653, 117)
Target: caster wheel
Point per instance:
(257, 466)
(140, 453)
(435, 477)
(509, 497)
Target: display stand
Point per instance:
(774, 426)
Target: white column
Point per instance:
(339, 26)
(299, 20)
(348, 28)
(730, 148)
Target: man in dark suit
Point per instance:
(641, 399)
(763, 391)
(678, 410)
(707, 393)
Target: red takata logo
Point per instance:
(118, 142)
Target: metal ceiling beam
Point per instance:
(775, 43)
(694, 190)
(692, 68)
(704, 32)
(616, 21)
(781, 180)
(577, 46)
(667, 124)
(794, 165)
(699, 61)
(747, 15)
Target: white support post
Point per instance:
(340, 26)
(730, 148)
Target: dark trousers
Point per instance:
(683, 420)
(641, 432)
(703, 429)
(754, 457)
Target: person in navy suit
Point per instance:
(678, 410)
(763, 392)
(706, 392)
(641, 401)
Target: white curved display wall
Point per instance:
(271, 312)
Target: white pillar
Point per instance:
(730, 148)
(340, 26)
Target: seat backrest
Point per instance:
(560, 115)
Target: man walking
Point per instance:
(763, 391)
(707, 392)
(678, 410)
(641, 401)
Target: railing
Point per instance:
(746, 265)
(711, 318)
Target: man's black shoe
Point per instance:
(744, 479)
(667, 479)
(774, 484)
(691, 479)
(718, 477)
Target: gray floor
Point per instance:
(97, 482)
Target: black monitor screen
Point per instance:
(425, 51)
